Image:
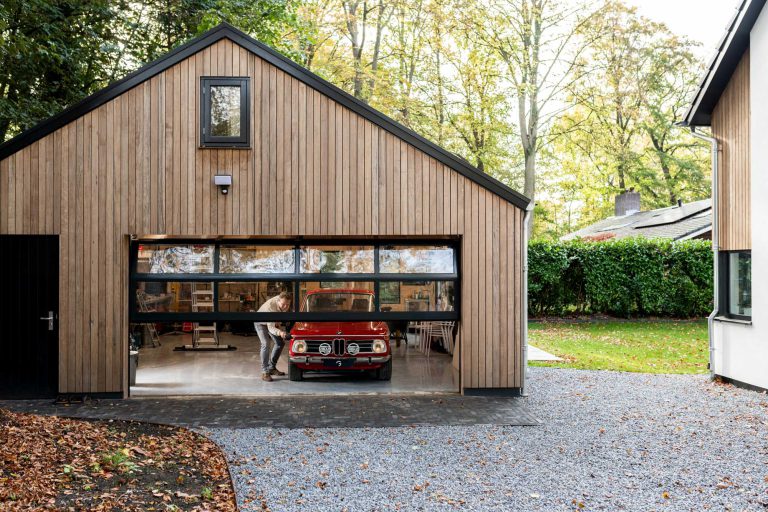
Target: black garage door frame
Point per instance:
(296, 277)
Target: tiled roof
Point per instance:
(674, 222)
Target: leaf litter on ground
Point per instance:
(52, 463)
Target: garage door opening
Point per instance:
(357, 317)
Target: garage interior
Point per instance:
(194, 303)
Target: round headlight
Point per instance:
(299, 346)
(325, 349)
(353, 349)
(379, 346)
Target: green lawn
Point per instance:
(650, 346)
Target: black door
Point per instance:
(29, 327)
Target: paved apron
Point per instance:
(296, 412)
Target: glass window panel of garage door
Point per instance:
(336, 296)
(254, 259)
(174, 297)
(249, 296)
(175, 259)
(337, 260)
(400, 259)
(417, 296)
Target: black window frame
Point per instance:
(206, 139)
(295, 278)
(725, 285)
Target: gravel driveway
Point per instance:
(610, 441)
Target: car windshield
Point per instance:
(341, 301)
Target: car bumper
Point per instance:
(316, 363)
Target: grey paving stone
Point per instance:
(297, 412)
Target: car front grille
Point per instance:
(339, 346)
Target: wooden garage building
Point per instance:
(132, 162)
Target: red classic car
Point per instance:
(339, 346)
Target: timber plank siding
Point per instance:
(731, 126)
(134, 165)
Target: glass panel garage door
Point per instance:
(397, 280)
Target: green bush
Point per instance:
(627, 277)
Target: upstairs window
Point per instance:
(225, 120)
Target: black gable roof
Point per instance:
(227, 31)
(721, 67)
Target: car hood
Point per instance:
(304, 329)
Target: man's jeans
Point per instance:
(269, 361)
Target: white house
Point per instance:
(733, 101)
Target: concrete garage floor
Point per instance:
(165, 372)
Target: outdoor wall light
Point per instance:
(223, 181)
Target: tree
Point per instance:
(410, 37)
(681, 157)
(155, 27)
(312, 34)
(478, 109)
(52, 54)
(538, 44)
(622, 132)
(360, 18)
(610, 100)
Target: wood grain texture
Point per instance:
(731, 126)
(134, 166)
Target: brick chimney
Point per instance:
(627, 203)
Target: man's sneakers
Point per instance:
(267, 376)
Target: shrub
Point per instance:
(626, 277)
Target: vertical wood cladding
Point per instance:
(731, 126)
(134, 166)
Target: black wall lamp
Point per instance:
(223, 181)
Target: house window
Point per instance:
(225, 120)
(737, 289)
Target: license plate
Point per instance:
(338, 363)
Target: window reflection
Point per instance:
(225, 110)
(342, 260)
(416, 260)
(175, 259)
(248, 259)
(740, 286)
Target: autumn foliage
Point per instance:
(51, 463)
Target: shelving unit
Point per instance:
(202, 301)
(146, 306)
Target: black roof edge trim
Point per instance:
(727, 57)
(225, 30)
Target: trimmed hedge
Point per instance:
(627, 277)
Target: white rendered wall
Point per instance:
(741, 352)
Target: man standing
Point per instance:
(269, 331)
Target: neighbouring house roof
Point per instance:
(690, 220)
(278, 60)
(729, 51)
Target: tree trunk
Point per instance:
(530, 183)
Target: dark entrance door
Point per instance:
(29, 286)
